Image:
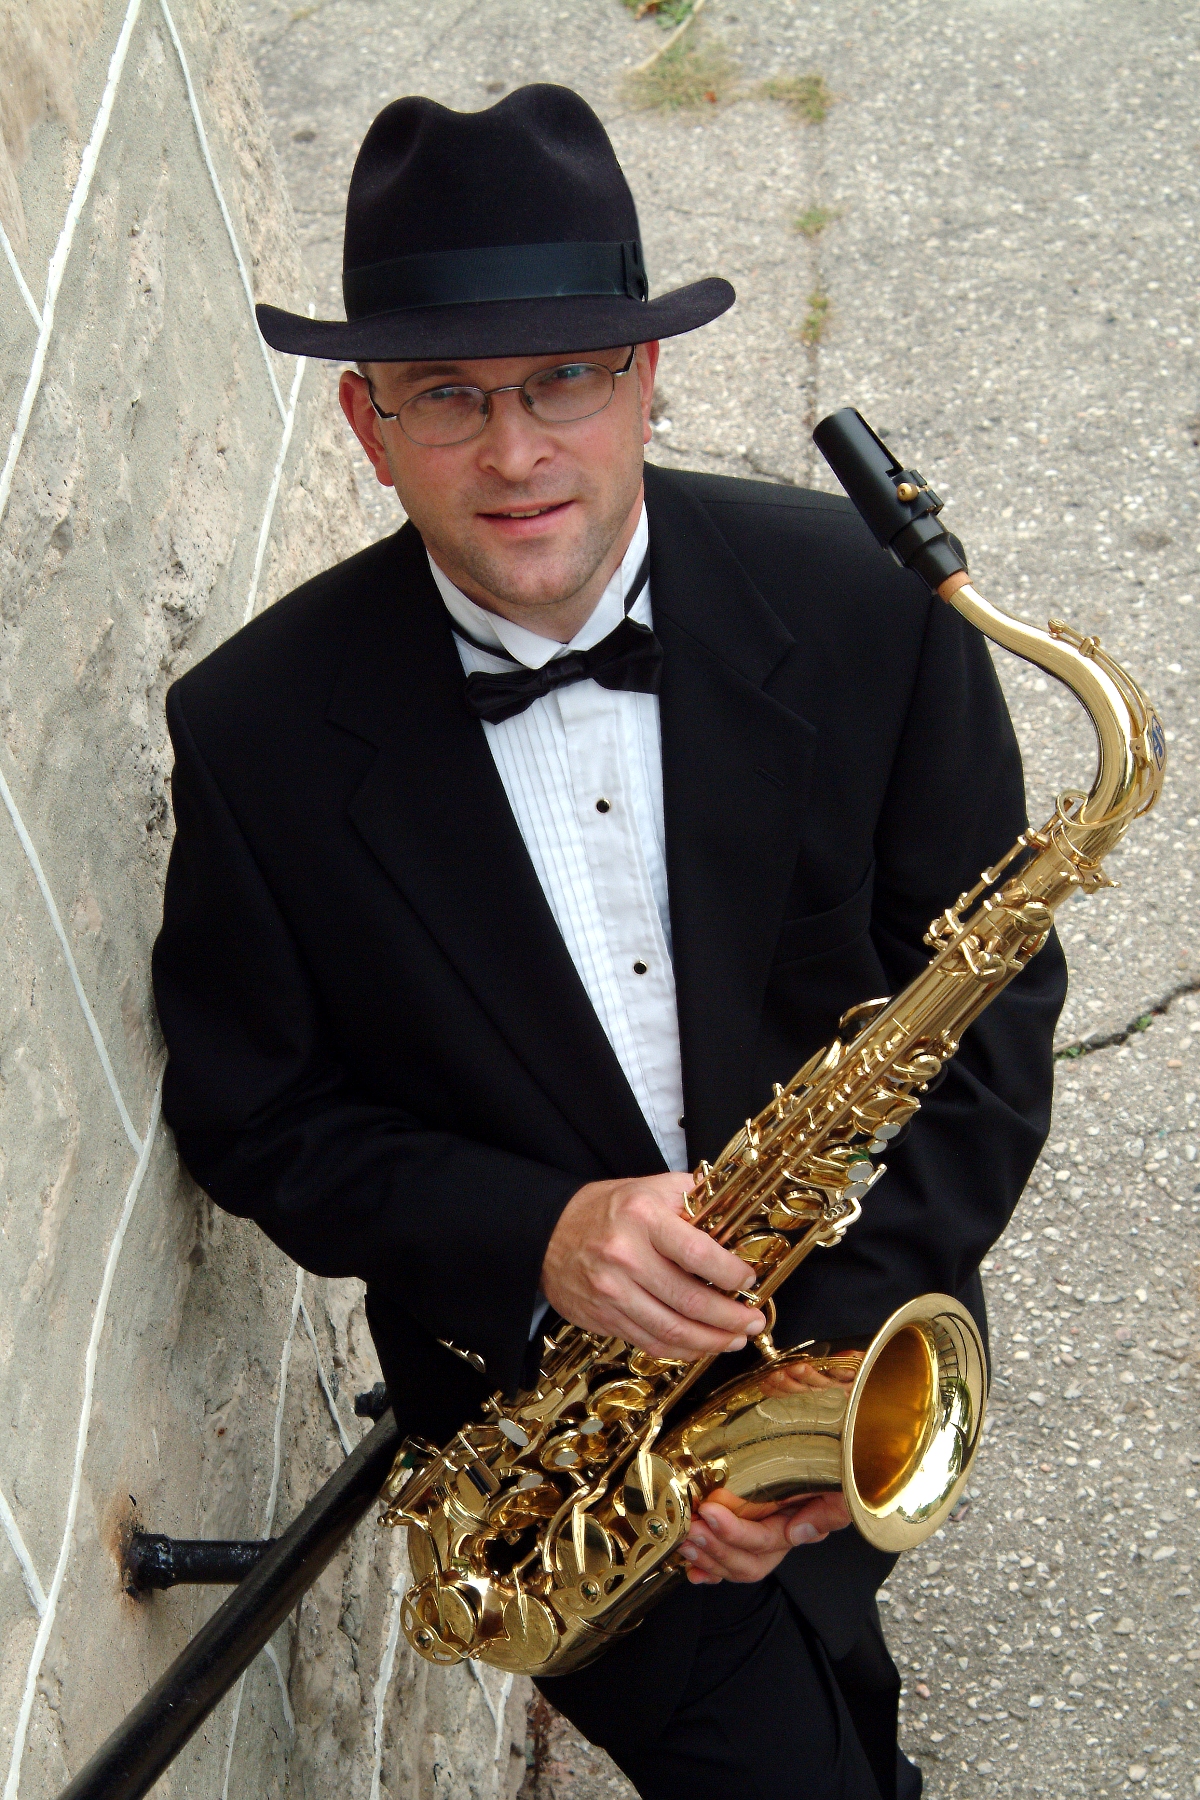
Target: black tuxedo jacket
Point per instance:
(379, 1046)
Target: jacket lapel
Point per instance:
(736, 767)
(433, 810)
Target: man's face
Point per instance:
(527, 513)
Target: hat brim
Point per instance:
(543, 327)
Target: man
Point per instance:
(518, 856)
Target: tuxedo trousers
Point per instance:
(745, 1703)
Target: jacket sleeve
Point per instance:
(274, 1130)
(955, 803)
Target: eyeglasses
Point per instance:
(559, 396)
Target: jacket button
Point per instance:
(603, 806)
(640, 968)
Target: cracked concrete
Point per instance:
(1011, 281)
(1154, 1009)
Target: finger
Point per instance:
(726, 1564)
(623, 1309)
(662, 1332)
(698, 1254)
(724, 1531)
(703, 1577)
(826, 1512)
(699, 1565)
(694, 1300)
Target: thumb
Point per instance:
(803, 1531)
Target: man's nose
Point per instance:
(513, 439)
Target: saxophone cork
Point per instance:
(547, 1529)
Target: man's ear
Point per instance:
(355, 398)
(646, 364)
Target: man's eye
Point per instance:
(449, 393)
(568, 374)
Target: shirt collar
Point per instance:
(526, 646)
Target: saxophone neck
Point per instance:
(902, 511)
(1131, 748)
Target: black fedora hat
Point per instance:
(507, 232)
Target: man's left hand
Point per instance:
(728, 1543)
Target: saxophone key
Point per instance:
(532, 1501)
(621, 1399)
(793, 1207)
(531, 1636)
(588, 1564)
(652, 1503)
(438, 1619)
(762, 1250)
(575, 1449)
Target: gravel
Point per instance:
(1011, 299)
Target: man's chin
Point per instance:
(534, 576)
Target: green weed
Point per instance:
(816, 319)
(807, 97)
(812, 223)
(692, 74)
(667, 12)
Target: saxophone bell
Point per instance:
(893, 1422)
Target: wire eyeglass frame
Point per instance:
(484, 395)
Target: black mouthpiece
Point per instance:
(897, 503)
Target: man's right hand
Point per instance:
(624, 1262)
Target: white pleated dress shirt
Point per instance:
(582, 768)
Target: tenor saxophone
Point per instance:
(547, 1528)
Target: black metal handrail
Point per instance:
(153, 1561)
(153, 1734)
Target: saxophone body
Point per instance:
(547, 1528)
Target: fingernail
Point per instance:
(687, 1552)
(698, 1538)
(710, 1513)
(737, 1343)
(755, 1328)
(801, 1533)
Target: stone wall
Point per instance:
(163, 476)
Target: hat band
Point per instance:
(502, 272)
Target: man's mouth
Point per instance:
(526, 512)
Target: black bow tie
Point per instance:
(629, 658)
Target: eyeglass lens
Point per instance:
(450, 415)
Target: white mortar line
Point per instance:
(54, 278)
(289, 1715)
(15, 266)
(62, 250)
(207, 155)
(29, 1574)
(27, 846)
(264, 533)
(237, 1713)
(326, 1389)
(285, 1361)
(383, 1681)
(12, 1784)
(506, 1688)
(497, 1709)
